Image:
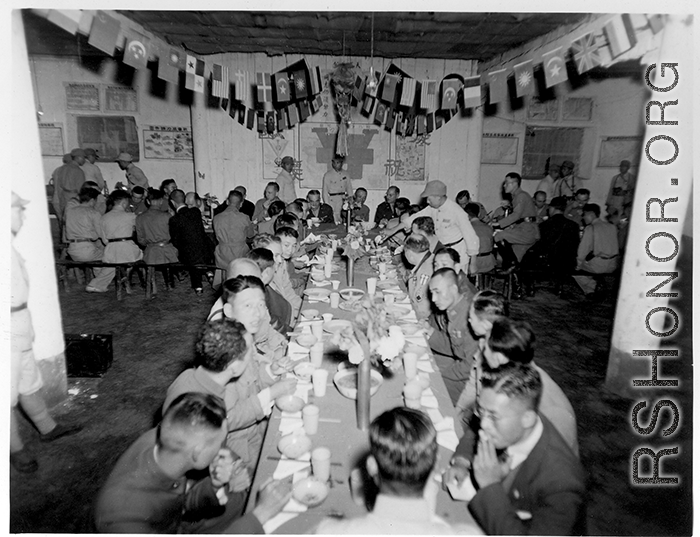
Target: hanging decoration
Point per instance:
(342, 84)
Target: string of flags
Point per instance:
(398, 101)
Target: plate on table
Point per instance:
(310, 491)
(346, 381)
(398, 311)
(352, 294)
(304, 370)
(336, 325)
(388, 284)
(353, 307)
(317, 293)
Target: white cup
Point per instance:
(389, 298)
(327, 317)
(309, 223)
(319, 378)
(371, 286)
(336, 284)
(334, 244)
(412, 392)
(410, 364)
(317, 329)
(309, 415)
(382, 267)
(335, 300)
(316, 354)
(321, 463)
(327, 271)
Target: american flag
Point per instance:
(242, 85)
(586, 53)
(408, 95)
(220, 82)
(427, 94)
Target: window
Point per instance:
(545, 146)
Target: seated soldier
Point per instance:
(449, 258)
(540, 200)
(402, 456)
(281, 281)
(287, 220)
(280, 309)
(148, 491)
(598, 252)
(290, 240)
(224, 353)
(317, 209)
(82, 227)
(262, 205)
(449, 336)
(153, 232)
(574, 210)
(536, 486)
(484, 261)
(425, 225)
(297, 209)
(359, 212)
(275, 209)
(464, 198)
(137, 202)
(417, 253)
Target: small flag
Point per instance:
(380, 115)
(359, 88)
(170, 62)
(136, 51)
(400, 76)
(427, 94)
(68, 19)
(316, 85)
(271, 122)
(282, 91)
(219, 81)
(104, 32)
(585, 51)
(620, 34)
(420, 125)
(656, 23)
(241, 113)
(389, 87)
(250, 119)
(293, 114)
(554, 67)
(408, 93)
(438, 121)
(261, 121)
(86, 17)
(450, 87)
(281, 120)
(194, 74)
(430, 123)
(498, 89)
(301, 88)
(232, 110)
(471, 94)
(368, 105)
(410, 125)
(317, 104)
(524, 81)
(242, 85)
(304, 112)
(390, 118)
(264, 83)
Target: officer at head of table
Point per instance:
(402, 456)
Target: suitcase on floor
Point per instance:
(88, 355)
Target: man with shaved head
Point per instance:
(451, 340)
(148, 491)
(189, 237)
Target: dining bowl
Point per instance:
(310, 491)
(304, 370)
(318, 276)
(289, 403)
(336, 325)
(317, 293)
(398, 293)
(346, 381)
(352, 294)
(309, 314)
(294, 445)
(307, 340)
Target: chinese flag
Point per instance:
(498, 89)
(620, 34)
(472, 92)
(524, 81)
(170, 62)
(554, 67)
(389, 87)
(104, 32)
(136, 51)
(450, 87)
(282, 90)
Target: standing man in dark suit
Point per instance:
(528, 479)
(188, 235)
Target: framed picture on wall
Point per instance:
(119, 99)
(274, 148)
(51, 139)
(543, 110)
(499, 148)
(613, 149)
(168, 143)
(578, 109)
(83, 97)
(410, 162)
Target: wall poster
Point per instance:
(120, 99)
(167, 143)
(51, 139)
(409, 164)
(82, 97)
(613, 149)
(275, 147)
(543, 110)
(499, 148)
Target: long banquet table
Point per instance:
(338, 431)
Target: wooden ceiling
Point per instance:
(469, 36)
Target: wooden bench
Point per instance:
(169, 270)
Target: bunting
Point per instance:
(317, 104)
(219, 81)
(281, 120)
(282, 90)
(261, 121)
(524, 81)
(271, 122)
(420, 125)
(293, 114)
(264, 85)
(359, 88)
(471, 93)
(301, 89)
(408, 93)
(194, 74)
(554, 67)
(430, 122)
(242, 85)
(389, 87)
(620, 34)
(304, 112)
(250, 119)
(241, 113)
(170, 62)
(368, 105)
(316, 82)
(136, 51)
(427, 94)
(498, 90)
(450, 87)
(104, 32)
(585, 52)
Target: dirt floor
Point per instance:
(153, 342)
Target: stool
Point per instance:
(485, 281)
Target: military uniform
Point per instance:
(519, 227)
(566, 186)
(417, 283)
(232, 228)
(484, 261)
(82, 231)
(335, 185)
(136, 177)
(600, 240)
(287, 192)
(153, 232)
(621, 195)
